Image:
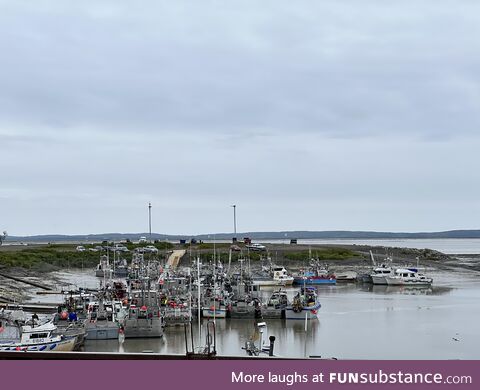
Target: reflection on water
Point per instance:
(406, 290)
(355, 321)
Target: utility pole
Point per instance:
(150, 221)
(234, 223)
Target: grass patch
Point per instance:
(35, 258)
(322, 254)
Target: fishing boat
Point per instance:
(408, 277)
(104, 269)
(176, 312)
(214, 308)
(346, 276)
(380, 274)
(174, 298)
(304, 305)
(245, 302)
(33, 338)
(68, 324)
(143, 318)
(281, 276)
(275, 305)
(315, 276)
(143, 322)
(274, 278)
(101, 321)
(245, 307)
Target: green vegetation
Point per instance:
(322, 254)
(54, 256)
(51, 255)
(210, 245)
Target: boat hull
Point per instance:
(59, 346)
(243, 312)
(309, 314)
(314, 280)
(393, 281)
(95, 331)
(143, 328)
(272, 313)
(265, 283)
(379, 280)
(174, 317)
(218, 313)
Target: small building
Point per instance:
(293, 241)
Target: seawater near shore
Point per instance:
(355, 322)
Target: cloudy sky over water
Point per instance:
(309, 115)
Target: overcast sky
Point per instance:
(309, 115)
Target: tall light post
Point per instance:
(234, 223)
(150, 221)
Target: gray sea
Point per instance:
(448, 246)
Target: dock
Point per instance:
(44, 308)
(76, 355)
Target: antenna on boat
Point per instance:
(198, 303)
(229, 260)
(3, 237)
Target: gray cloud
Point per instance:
(309, 115)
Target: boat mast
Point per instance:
(198, 303)
(214, 283)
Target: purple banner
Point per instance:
(253, 374)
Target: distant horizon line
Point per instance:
(279, 234)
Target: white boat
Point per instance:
(346, 276)
(281, 276)
(36, 338)
(274, 276)
(380, 274)
(408, 277)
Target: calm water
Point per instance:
(449, 246)
(355, 321)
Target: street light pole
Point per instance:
(234, 223)
(150, 221)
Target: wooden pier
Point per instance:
(45, 308)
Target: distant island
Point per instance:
(282, 235)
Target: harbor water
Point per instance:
(356, 321)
